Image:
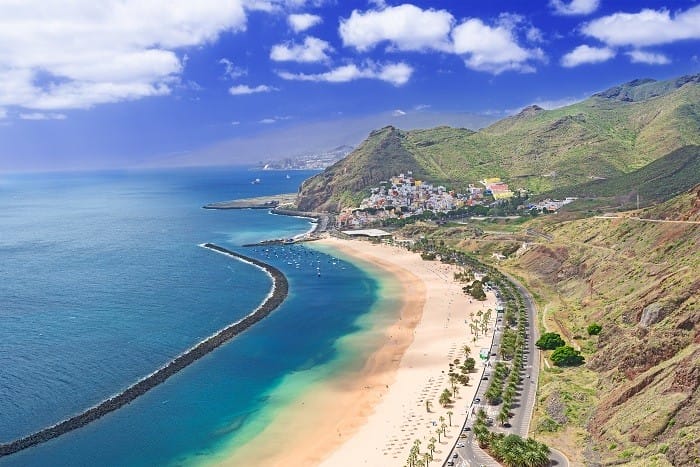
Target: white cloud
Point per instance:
(243, 89)
(312, 50)
(650, 58)
(575, 7)
(77, 55)
(276, 6)
(274, 119)
(231, 70)
(394, 73)
(398, 113)
(42, 116)
(235, 123)
(303, 21)
(586, 54)
(3, 113)
(534, 35)
(648, 27)
(492, 48)
(405, 27)
(549, 104)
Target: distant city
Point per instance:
(310, 161)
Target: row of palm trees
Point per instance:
(511, 450)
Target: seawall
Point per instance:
(280, 289)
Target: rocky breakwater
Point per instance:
(280, 289)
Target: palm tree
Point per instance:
(449, 414)
(438, 432)
(467, 350)
(445, 398)
(503, 417)
(444, 427)
(453, 382)
(431, 446)
(427, 457)
(427, 405)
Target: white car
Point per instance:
(461, 445)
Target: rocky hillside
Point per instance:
(637, 399)
(609, 134)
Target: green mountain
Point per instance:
(657, 181)
(611, 133)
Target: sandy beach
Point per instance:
(373, 417)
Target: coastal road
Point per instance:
(520, 423)
(470, 454)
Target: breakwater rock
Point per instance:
(280, 289)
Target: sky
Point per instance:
(147, 83)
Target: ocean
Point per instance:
(102, 281)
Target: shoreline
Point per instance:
(371, 414)
(275, 297)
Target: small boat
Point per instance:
(256, 181)
(288, 177)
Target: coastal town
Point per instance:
(403, 196)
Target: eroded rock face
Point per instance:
(652, 313)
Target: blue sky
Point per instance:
(146, 83)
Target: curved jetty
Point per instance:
(280, 288)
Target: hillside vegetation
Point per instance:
(636, 401)
(657, 181)
(610, 134)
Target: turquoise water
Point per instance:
(102, 282)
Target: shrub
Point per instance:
(566, 356)
(549, 341)
(594, 329)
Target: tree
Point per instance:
(549, 341)
(503, 416)
(427, 405)
(476, 290)
(431, 446)
(467, 350)
(445, 398)
(449, 415)
(438, 432)
(566, 356)
(594, 329)
(469, 364)
(453, 383)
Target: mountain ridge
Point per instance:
(600, 137)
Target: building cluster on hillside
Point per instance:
(404, 191)
(551, 205)
(496, 188)
(404, 196)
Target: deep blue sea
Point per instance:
(102, 281)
